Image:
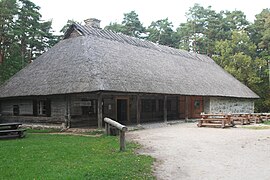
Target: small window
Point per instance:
(88, 107)
(197, 104)
(42, 107)
(16, 110)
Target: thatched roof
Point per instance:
(107, 61)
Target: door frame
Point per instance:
(122, 98)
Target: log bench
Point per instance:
(255, 118)
(265, 117)
(240, 118)
(12, 133)
(215, 120)
(11, 130)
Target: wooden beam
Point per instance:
(165, 113)
(138, 109)
(99, 110)
(115, 124)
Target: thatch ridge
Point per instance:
(108, 34)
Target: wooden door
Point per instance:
(196, 106)
(122, 110)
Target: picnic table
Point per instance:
(255, 118)
(11, 130)
(241, 118)
(215, 120)
(265, 116)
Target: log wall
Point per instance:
(26, 114)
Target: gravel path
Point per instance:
(184, 151)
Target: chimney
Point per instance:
(92, 22)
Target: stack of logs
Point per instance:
(229, 120)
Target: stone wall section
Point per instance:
(231, 105)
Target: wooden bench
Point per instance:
(255, 118)
(12, 133)
(10, 125)
(215, 120)
(265, 117)
(11, 130)
(240, 118)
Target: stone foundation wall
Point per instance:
(231, 105)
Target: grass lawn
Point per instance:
(47, 156)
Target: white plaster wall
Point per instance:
(231, 105)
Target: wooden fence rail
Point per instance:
(109, 123)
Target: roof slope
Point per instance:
(104, 60)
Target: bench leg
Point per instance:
(223, 124)
(21, 134)
(199, 124)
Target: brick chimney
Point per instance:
(92, 22)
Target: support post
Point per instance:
(99, 110)
(138, 109)
(106, 129)
(186, 108)
(68, 116)
(165, 109)
(122, 141)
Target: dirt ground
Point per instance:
(184, 151)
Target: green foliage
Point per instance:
(115, 27)
(131, 25)
(161, 32)
(45, 156)
(204, 27)
(237, 56)
(23, 36)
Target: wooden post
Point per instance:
(122, 141)
(230, 120)
(138, 109)
(249, 118)
(99, 111)
(68, 106)
(186, 108)
(106, 129)
(165, 109)
(119, 127)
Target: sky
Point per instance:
(59, 11)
